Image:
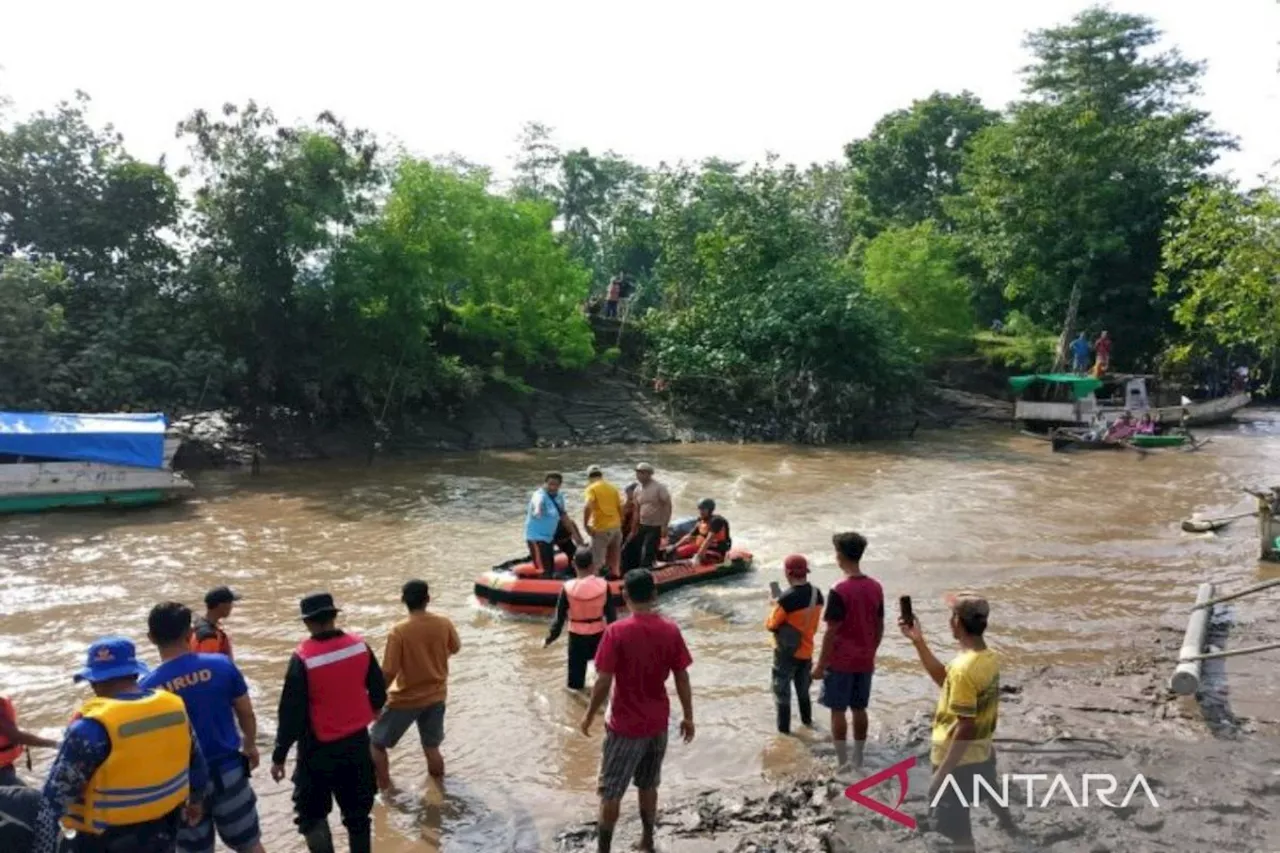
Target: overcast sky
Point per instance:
(654, 80)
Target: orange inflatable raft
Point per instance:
(516, 586)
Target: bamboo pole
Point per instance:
(1265, 647)
(1248, 590)
(1186, 675)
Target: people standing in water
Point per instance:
(602, 518)
(709, 541)
(544, 517)
(209, 635)
(855, 627)
(415, 667)
(652, 502)
(332, 691)
(12, 741)
(587, 606)
(794, 619)
(129, 770)
(216, 698)
(635, 657)
(964, 721)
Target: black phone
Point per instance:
(775, 589)
(904, 610)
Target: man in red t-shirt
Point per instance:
(855, 626)
(635, 657)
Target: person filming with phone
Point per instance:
(793, 619)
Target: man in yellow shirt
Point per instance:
(964, 721)
(602, 516)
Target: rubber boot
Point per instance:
(360, 841)
(319, 839)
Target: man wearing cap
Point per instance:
(602, 518)
(217, 699)
(332, 691)
(208, 635)
(652, 503)
(964, 721)
(129, 766)
(794, 619)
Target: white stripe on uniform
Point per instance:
(333, 657)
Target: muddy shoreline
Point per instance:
(593, 410)
(1215, 777)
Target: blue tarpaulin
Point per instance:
(125, 439)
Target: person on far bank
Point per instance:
(332, 691)
(129, 771)
(1102, 346)
(217, 698)
(1080, 354)
(794, 619)
(544, 517)
(12, 741)
(612, 296)
(602, 518)
(964, 722)
(415, 667)
(208, 635)
(855, 627)
(652, 502)
(634, 659)
(587, 606)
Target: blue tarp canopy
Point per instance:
(125, 439)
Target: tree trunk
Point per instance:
(1068, 324)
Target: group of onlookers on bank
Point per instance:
(160, 759)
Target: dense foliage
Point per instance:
(303, 266)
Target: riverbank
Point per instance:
(593, 410)
(1214, 777)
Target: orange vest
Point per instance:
(9, 752)
(337, 698)
(587, 597)
(703, 531)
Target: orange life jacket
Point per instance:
(9, 752)
(587, 597)
(337, 698)
(703, 531)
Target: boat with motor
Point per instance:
(1045, 401)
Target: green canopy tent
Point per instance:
(1081, 386)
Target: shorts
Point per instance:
(630, 759)
(231, 810)
(842, 691)
(602, 541)
(950, 816)
(394, 722)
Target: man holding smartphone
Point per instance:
(793, 619)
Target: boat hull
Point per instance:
(1038, 415)
(36, 487)
(538, 596)
(12, 504)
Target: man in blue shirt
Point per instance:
(543, 518)
(217, 698)
(112, 670)
(1080, 354)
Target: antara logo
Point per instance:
(897, 771)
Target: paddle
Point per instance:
(1208, 525)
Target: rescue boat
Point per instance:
(516, 586)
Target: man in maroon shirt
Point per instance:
(855, 626)
(638, 654)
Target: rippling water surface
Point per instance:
(1078, 553)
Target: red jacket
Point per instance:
(338, 702)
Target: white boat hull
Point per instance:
(1082, 412)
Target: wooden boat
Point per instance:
(1045, 401)
(1069, 440)
(57, 460)
(1151, 441)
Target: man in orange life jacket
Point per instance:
(709, 540)
(12, 740)
(332, 692)
(794, 619)
(587, 605)
(207, 635)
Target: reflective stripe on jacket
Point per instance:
(337, 699)
(587, 597)
(145, 775)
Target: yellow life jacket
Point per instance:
(145, 776)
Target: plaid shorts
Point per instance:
(630, 759)
(231, 811)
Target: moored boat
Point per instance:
(53, 460)
(1072, 440)
(1152, 441)
(1048, 400)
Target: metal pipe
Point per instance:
(1186, 675)
(1248, 590)
(1266, 647)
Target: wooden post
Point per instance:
(1186, 676)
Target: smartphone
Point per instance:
(774, 589)
(904, 610)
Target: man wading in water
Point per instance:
(586, 604)
(638, 654)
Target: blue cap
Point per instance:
(110, 658)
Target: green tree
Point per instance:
(910, 163)
(537, 165)
(916, 270)
(30, 318)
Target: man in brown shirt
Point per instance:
(416, 668)
(652, 514)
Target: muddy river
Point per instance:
(1077, 552)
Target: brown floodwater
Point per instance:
(1079, 553)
